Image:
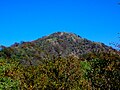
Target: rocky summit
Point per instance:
(57, 44)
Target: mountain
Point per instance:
(68, 43)
(57, 44)
(60, 61)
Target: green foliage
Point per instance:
(105, 74)
(6, 82)
(85, 67)
(69, 73)
(57, 74)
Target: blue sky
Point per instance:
(27, 20)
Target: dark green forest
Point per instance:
(59, 62)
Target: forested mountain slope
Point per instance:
(57, 44)
(60, 61)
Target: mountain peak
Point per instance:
(59, 43)
(65, 34)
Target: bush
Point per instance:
(6, 82)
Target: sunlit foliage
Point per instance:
(60, 61)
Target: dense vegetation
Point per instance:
(68, 73)
(31, 66)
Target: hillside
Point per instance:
(57, 44)
(60, 61)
